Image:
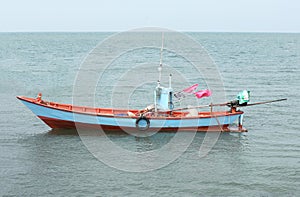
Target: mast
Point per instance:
(159, 73)
(160, 62)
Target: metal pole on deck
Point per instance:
(161, 56)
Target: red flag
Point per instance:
(203, 93)
(190, 89)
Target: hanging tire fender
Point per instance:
(142, 123)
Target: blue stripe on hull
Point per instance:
(127, 122)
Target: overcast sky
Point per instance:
(121, 15)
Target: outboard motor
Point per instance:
(243, 97)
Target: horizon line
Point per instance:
(115, 31)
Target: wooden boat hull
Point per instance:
(64, 116)
(63, 124)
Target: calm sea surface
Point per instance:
(35, 161)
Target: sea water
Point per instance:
(37, 161)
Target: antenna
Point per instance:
(160, 62)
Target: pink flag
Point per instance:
(203, 93)
(190, 89)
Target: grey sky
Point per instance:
(120, 15)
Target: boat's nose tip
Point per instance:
(19, 97)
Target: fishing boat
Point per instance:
(57, 115)
(152, 118)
